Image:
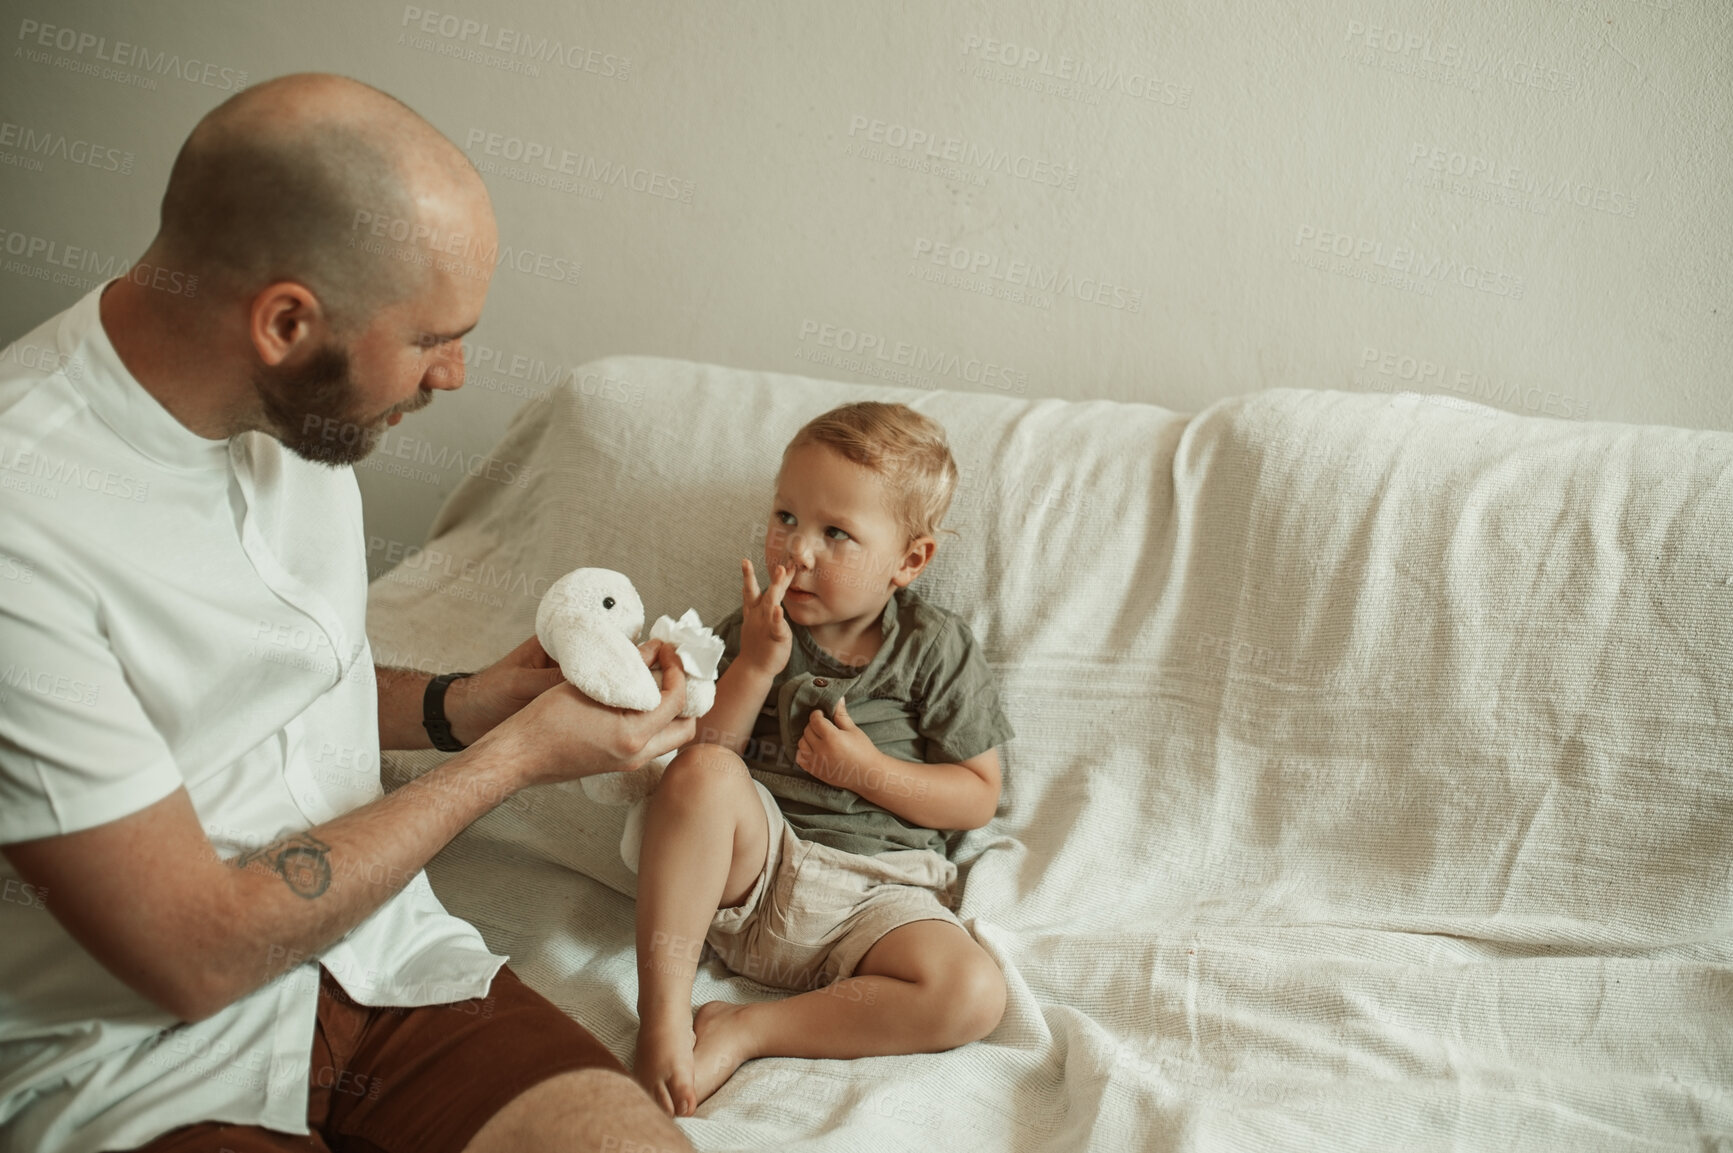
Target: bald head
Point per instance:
(270, 184)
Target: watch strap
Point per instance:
(433, 717)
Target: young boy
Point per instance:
(798, 834)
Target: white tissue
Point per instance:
(700, 652)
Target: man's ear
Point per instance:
(284, 319)
(920, 550)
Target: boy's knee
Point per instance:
(972, 1000)
(702, 768)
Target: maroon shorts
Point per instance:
(425, 1079)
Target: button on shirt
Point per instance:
(177, 612)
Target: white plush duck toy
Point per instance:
(588, 622)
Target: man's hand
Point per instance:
(147, 896)
(766, 642)
(562, 734)
(836, 752)
(477, 703)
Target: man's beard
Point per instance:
(312, 409)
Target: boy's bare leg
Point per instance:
(705, 843)
(923, 987)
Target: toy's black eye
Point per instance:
(607, 602)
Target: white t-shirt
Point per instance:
(177, 611)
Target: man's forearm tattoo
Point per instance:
(302, 860)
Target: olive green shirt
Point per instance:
(926, 696)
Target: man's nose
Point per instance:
(446, 371)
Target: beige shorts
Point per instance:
(815, 911)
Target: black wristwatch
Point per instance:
(433, 713)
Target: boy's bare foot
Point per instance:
(723, 1044)
(663, 1065)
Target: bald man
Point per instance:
(216, 932)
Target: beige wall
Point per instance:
(1528, 203)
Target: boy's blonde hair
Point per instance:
(907, 449)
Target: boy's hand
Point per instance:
(835, 752)
(766, 642)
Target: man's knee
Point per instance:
(582, 1108)
(616, 1112)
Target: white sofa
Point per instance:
(1373, 786)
